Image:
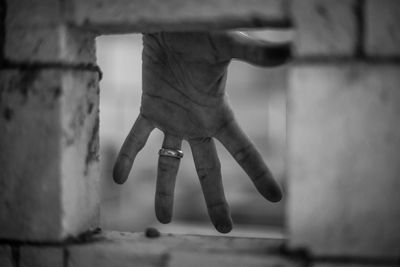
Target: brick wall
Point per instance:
(343, 130)
(48, 124)
(343, 135)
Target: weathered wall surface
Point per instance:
(343, 135)
(48, 125)
(343, 131)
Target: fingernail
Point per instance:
(224, 228)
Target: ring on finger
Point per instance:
(173, 153)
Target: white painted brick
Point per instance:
(382, 32)
(344, 159)
(41, 256)
(324, 27)
(80, 148)
(113, 16)
(49, 44)
(5, 256)
(48, 153)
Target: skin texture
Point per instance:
(184, 77)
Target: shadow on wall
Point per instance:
(258, 98)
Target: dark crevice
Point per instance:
(15, 255)
(90, 236)
(65, 257)
(93, 146)
(51, 65)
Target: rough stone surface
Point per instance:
(80, 151)
(41, 256)
(324, 27)
(196, 259)
(111, 16)
(117, 252)
(382, 20)
(346, 264)
(33, 12)
(2, 31)
(36, 32)
(5, 256)
(344, 159)
(49, 44)
(48, 153)
(124, 249)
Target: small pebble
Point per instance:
(152, 232)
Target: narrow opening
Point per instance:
(258, 99)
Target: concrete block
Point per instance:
(117, 16)
(199, 259)
(2, 31)
(5, 256)
(344, 159)
(54, 43)
(382, 20)
(41, 256)
(121, 253)
(48, 153)
(346, 264)
(127, 249)
(324, 27)
(33, 12)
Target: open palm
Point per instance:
(184, 77)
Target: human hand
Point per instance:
(184, 77)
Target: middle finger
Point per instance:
(209, 171)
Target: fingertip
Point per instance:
(221, 218)
(163, 208)
(276, 196)
(273, 194)
(224, 228)
(276, 55)
(163, 218)
(121, 170)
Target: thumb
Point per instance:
(257, 51)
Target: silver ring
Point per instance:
(173, 153)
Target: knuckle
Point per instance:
(217, 205)
(200, 141)
(203, 174)
(164, 194)
(208, 172)
(243, 154)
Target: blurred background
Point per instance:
(258, 99)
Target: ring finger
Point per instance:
(168, 164)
